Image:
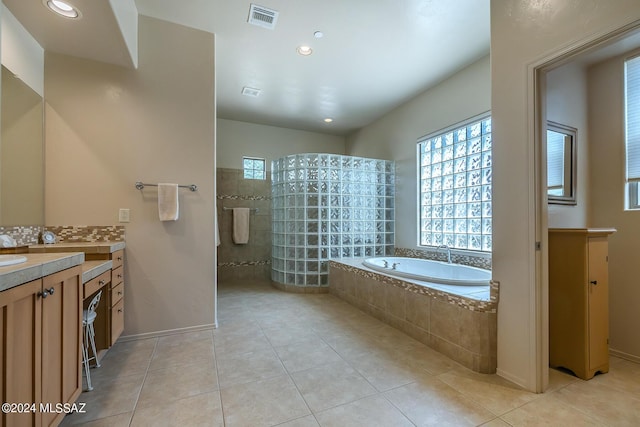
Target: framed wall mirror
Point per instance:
(561, 163)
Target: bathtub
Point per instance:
(430, 271)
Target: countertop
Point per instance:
(37, 265)
(86, 247)
(92, 269)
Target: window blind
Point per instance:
(632, 80)
(555, 160)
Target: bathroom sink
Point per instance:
(11, 259)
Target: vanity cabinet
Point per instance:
(40, 358)
(117, 296)
(579, 300)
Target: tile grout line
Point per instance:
(144, 379)
(215, 361)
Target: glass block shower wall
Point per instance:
(328, 206)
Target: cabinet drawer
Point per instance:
(117, 258)
(117, 293)
(96, 283)
(117, 320)
(117, 275)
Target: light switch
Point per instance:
(123, 215)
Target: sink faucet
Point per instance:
(448, 249)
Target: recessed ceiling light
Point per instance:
(318, 34)
(304, 50)
(328, 120)
(62, 8)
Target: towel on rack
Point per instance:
(241, 225)
(168, 208)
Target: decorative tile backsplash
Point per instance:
(88, 233)
(25, 235)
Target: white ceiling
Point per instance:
(374, 56)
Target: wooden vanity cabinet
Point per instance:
(579, 300)
(117, 295)
(40, 358)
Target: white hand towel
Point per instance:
(168, 208)
(241, 226)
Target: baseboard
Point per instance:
(625, 356)
(516, 380)
(164, 333)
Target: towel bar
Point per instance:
(141, 185)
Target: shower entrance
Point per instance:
(327, 206)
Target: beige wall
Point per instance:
(567, 105)
(236, 139)
(394, 136)
(108, 127)
(524, 34)
(606, 124)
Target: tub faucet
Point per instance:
(394, 265)
(448, 249)
(385, 263)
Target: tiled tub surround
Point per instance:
(253, 260)
(328, 206)
(87, 233)
(458, 321)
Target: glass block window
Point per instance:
(454, 169)
(254, 168)
(632, 130)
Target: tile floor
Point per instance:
(313, 360)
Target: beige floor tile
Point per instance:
(241, 342)
(497, 422)
(187, 353)
(166, 385)
(310, 353)
(492, 392)
(331, 385)
(121, 420)
(201, 410)
(263, 403)
(607, 405)
(284, 334)
(624, 377)
(110, 397)
(429, 360)
(385, 372)
(372, 411)
(559, 379)
(548, 410)
(248, 367)
(185, 339)
(430, 402)
(128, 358)
(308, 421)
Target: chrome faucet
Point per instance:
(385, 263)
(448, 249)
(394, 265)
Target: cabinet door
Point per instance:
(20, 362)
(598, 303)
(61, 340)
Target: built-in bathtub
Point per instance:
(459, 321)
(428, 270)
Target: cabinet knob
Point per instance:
(594, 282)
(119, 276)
(119, 292)
(43, 294)
(51, 290)
(101, 282)
(119, 310)
(119, 258)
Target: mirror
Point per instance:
(21, 153)
(561, 164)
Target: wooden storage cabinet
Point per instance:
(579, 300)
(40, 358)
(117, 295)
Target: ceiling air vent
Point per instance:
(262, 17)
(250, 91)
